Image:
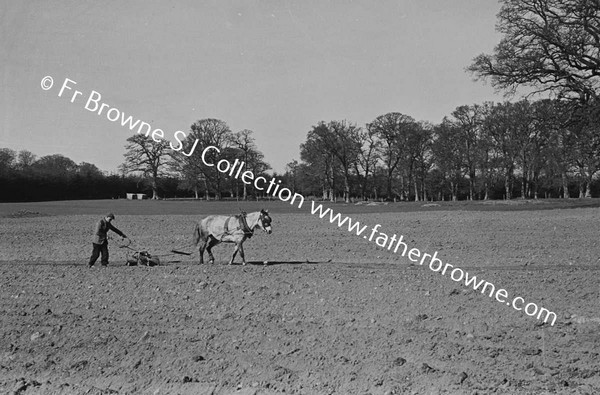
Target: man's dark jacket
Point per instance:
(102, 228)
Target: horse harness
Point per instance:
(242, 225)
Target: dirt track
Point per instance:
(364, 322)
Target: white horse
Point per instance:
(216, 229)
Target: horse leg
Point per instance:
(201, 249)
(211, 243)
(237, 247)
(241, 248)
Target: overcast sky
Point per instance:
(275, 67)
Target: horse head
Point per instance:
(264, 221)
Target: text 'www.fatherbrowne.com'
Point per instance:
(397, 245)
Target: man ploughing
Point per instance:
(100, 241)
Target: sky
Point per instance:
(274, 67)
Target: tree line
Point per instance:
(153, 160)
(25, 177)
(527, 149)
(545, 148)
(149, 167)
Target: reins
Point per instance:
(126, 243)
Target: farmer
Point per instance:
(99, 240)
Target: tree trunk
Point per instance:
(453, 191)
(588, 185)
(486, 187)
(154, 187)
(416, 185)
(486, 182)
(332, 182)
(507, 186)
(472, 186)
(565, 185)
(533, 184)
(389, 185)
(588, 190)
(346, 187)
(218, 188)
(402, 189)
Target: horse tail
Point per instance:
(196, 234)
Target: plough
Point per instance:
(141, 257)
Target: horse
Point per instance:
(216, 229)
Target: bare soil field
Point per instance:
(331, 312)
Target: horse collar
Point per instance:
(244, 225)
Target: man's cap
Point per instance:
(110, 215)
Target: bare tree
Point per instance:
(291, 171)
(147, 157)
(584, 138)
(344, 143)
(321, 163)
(421, 158)
(468, 120)
(393, 130)
(253, 159)
(510, 126)
(368, 157)
(550, 45)
(340, 141)
(446, 149)
(205, 133)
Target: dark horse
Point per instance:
(216, 229)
